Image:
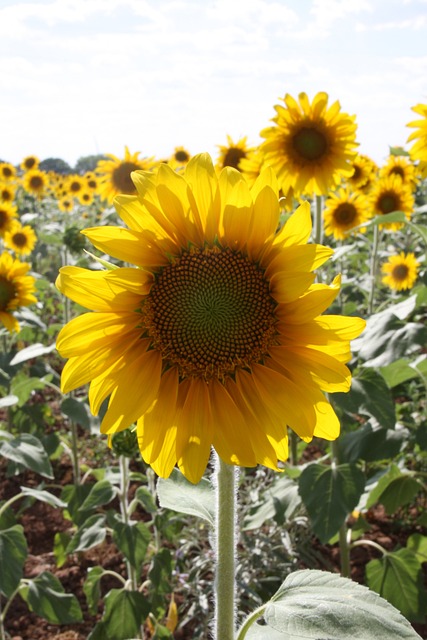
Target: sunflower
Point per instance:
(21, 239)
(418, 150)
(7, 171)
(74, 184)
(251, 166)
(16, 289)
(179, 158)
(364, 170)
(66, 204)
(114, 174)
(7, 192)
(311, 146)
(231, 154)
(401, 271)
(388, 195)
(402, 167)
(216, 337)
(343, 211)
(91, 181)
(29, 163)
(8, 214)
(35, 182)
(85, 197)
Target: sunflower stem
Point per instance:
(225, 530)
(318, 222)
(373, 269)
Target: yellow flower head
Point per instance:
(74, 184)
(7, 192)
(391, 194)
(36, 182)
(66, 204)
(311, 146)
(400, 271)
(343, 211)
(8, 215)
(29, 163)
(7, 171)
(402, 167)
(231, 154)
(114, 174)
(418, 150)
(86, 197)
(179, 158)
(364, 170)
(16, 289)
(21, 239)
(216, 337)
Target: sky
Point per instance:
(84, 77)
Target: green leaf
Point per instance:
(101, 493)
(45, 596)
(60, 544)
(397, 372)
(382, 484)
(8, 401)
(330, 493)
(22, 386)
(77, 411)
(74, 496)
(33, 351)
(43, 496)
(399, 492)
(369, 395)
(319, 605)
(13, 553)
(92, 588)
(160, 572)
(145, 498)
(28, 451)
(89, 534)
(125, 611)
(371, 444)
(279, 501)
(178, 494)
(98, 632)
(418, 544)
(132, 540)
(397, 576)
(264, 632)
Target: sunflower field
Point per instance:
(213, 389)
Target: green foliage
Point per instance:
(178, 494)
(13, 553)
(45, 596)
(125, 611)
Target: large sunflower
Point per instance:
(21, 239)
(391, 194)
(231, 154)
(216, 337)
(16, 289)
(400, 271)
(114, 174)
(311, 146)
(418, 150)
(343, 211)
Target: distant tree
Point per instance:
(88, 163)
(398, 151)
(57, 165)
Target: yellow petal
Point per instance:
(286, 287)
(202, 179)
(236, 206)
(297, 229)
(299, 258)
(311, 304)
(131, 246)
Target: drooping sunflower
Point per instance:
(231, 154)
(7, 171)
(402, 167)
(21, 239)
(114, 174)
(364, 169)
(401, 271)
(29, 163)
(216, 337)
(388, 195)
(7, 192)
(343, 211)
(418, 150)
(8, 215)
(311, 146)
(16, 289)
(35, 182)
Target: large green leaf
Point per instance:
(369, 395)
(383, 482)
(125, 611)
(22, 386)
(318, 605)
(330, 493)
(178, 494)
(397, 576)
(132, 540)
(43, 496)
(89, 534)
(27, 450)
(33, 351)
(46, 597)
(102, 492)
(400, 491)
(77, 411)
(13, 553)
(371, 444)
(92, 588)
(418, 544)
(403, 370)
